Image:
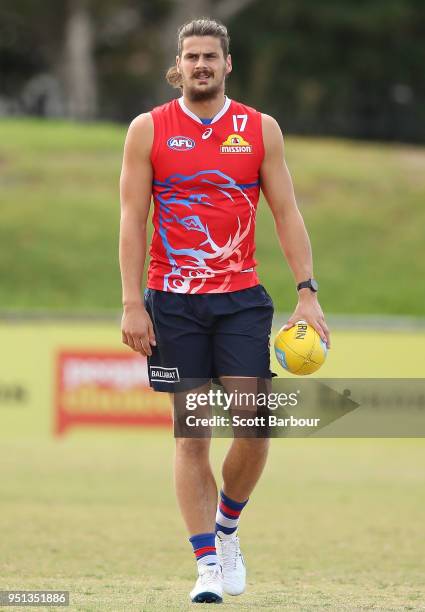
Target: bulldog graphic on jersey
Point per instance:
(204, 220)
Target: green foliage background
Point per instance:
(347, 67)
(352, 68)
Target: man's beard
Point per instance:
(202, 95)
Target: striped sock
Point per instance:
(204, 548)
(228, 513)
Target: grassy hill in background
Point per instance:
(363, 205)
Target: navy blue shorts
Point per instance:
(204, 336)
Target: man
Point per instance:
(205, 315)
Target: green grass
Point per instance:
(333, 524)
(363, 205)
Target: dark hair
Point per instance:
(198, 27)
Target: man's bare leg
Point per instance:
(196, 488)
(243, 466)
(246, 457)
(196, 491)
(195, 484)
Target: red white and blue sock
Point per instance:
(204, 548)
(228, 513)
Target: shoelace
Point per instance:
(231, 552)
(210, 575)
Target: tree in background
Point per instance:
(87, 37)
(351, 67)
(31, 35)
(78, 66)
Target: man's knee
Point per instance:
(253, 446)
(193, 447)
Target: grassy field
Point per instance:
(333, 525)
(363, 205)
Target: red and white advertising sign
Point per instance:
(107, 388)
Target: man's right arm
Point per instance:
(135, 192)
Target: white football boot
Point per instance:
(232, 562)
(209, 586)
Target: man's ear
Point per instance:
(178, 63)
(228, 64)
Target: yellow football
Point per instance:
(300, 349)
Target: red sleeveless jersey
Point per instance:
(205, 189)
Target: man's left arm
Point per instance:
(276, 184)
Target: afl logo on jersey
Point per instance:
(181, 143)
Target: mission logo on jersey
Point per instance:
(235, 144)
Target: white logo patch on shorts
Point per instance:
(167, 375)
